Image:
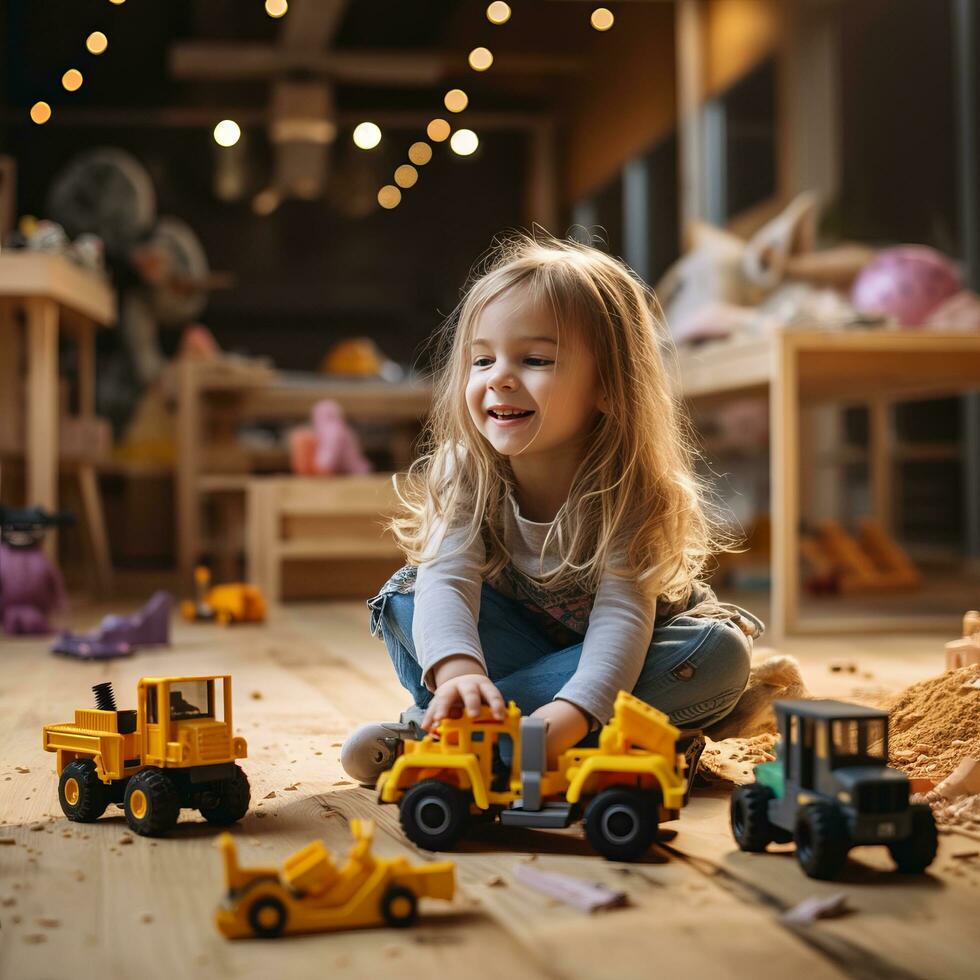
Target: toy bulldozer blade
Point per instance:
(312, 893)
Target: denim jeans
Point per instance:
(696, 668)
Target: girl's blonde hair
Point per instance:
(635, 506)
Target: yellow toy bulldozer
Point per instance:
(234, 602)
(632, 780)
(312, 894)
(174, 750)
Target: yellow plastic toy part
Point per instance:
(176, 749)
(636, 756)
(234, 602)
(312, 894)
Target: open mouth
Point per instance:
(510, 415)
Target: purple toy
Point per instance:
(907, 282)
(31, 587)
(119, 636)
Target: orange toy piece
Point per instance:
(223, 604)
(312, 894)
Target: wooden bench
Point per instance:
(335, 522)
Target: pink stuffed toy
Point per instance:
(330, 448)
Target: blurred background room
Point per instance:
(227, 213)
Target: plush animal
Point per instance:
(31, 587)
(331, 447)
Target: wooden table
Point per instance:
(238, 390)
(798, 368)
(53, 294)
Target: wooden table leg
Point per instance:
(784, 461)
(94, 520)
(11, 381)
(880, 441)
(187, 473)
(86, 370)
(41, 450)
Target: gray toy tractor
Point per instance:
(830, 789)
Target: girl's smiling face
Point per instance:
(524, 394)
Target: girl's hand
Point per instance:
(467, 692)
(567, 726)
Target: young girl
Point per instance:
(555, 530)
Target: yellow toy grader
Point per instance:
(311, 894)
(174, 750)
(632, 780)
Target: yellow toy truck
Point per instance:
(174, 750)
(311, 894)
(632, 780)
(223, 604)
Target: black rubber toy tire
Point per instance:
(262, 930)
(93, 795)
(162, 803)
(388, 900)
(749, 816)
(433, 795)
(914, 854)
(628, 841)
(821, 840)
(233, 799)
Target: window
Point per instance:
(874, 739)
(151, 704)
(845, 737)
(791, 736)
(191, 699)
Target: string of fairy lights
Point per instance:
(367, 135)
(462, 141)
(72, 80)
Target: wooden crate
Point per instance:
(332, 525)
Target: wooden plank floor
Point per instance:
(75, 900)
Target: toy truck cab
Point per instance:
(176, 749)
(830, 789)
(626, 785)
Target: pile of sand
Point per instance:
(732, 760)
(935, 724)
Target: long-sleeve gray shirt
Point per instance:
(616, 622)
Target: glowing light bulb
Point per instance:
(227, 132)
(420, 153)
(389, 196)
(406, 175)
(72, 80)
(602, 18)
(96, 42)
(464, 142)
(480, 59)
(40, 113)
(438, 130)
(498, 12)
(456, 100)
(367, 135)
(118, 3)
(276, 8)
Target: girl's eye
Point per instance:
(482, 361)
(538, 361)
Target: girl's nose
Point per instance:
(502, 379)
